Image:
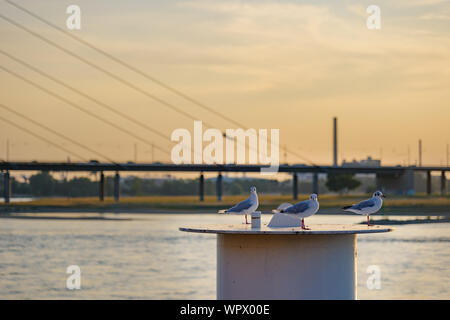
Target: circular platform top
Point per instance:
(314, 229)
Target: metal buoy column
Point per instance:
(286, 266)
(263, 263)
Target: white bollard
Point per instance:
(266, 267)
(256, 220)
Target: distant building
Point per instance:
(369, 162)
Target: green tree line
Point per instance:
(44, 184)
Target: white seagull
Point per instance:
(247, 206)
(367, 207)
(302, 209)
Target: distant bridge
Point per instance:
(395, 179)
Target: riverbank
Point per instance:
(329, 204)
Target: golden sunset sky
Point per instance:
(291, 65)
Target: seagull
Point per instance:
(302, 209)
(367, 207)
(247, 206)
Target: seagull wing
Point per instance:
(298, 207)
(243, 205)
(363, 204)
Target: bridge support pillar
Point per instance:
(315, 183)
(101, 187)
(117, 187)
(201, 190)
(295, 186)
(429, 183)
(6, 187)
(443, 184)
(219, 187)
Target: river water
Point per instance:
(148, 258)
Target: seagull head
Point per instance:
(253, 189)
(379, 194)
(313, 197)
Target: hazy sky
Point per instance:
(291, 65)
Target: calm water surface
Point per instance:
(148, 258)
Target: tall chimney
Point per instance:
(335, 161)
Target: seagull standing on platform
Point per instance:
(367, 207)
(302, 209)
(247, 206)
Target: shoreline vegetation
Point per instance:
(329, 204)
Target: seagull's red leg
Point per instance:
(246, 222)
(303, 225)
(368, 222)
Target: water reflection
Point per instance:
(148, 258)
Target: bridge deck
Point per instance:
(99, 166)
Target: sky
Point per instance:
(289, 65)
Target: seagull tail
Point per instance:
(346, 207)
(223, 211)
